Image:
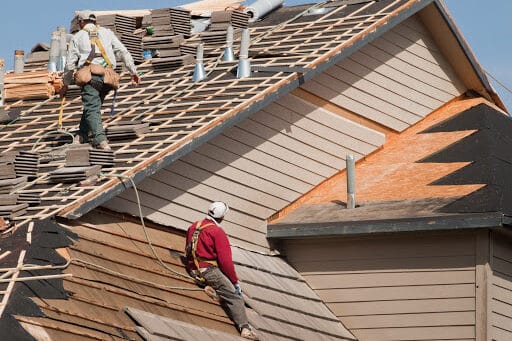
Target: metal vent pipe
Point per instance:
(351, 181)
(199, 73)
(61, 62)
(244, 64)
(229, 55)
(54, 51)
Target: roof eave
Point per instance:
(164, 159)
(370, 227)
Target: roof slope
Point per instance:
(454, 162)
(113, 267)
(182, 114)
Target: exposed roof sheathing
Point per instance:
(453, 162)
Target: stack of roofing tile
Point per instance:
(220, 20)
(124, 28)
(216, 39)
(8, 199)
(7, 170)
(74, 174)
(126, 130)
(86, 156)
(10, 185)
(31, 85)
(38, 58)
(11, 211)
(26, 164)
(171, 21)
(171, 63)
(30, 198)
(167, 46)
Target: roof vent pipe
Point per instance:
(260, 8)
(351, 181)
(54, 51)
(19, 61)
(229, 55)
(61, 62)
(199, 73)
(244, 64)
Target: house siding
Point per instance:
(258, 167)
(395, 80)
(269, 160)
(394, 288)
(500, 312)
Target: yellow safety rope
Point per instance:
(61, 112)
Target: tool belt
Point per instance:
(84, 75)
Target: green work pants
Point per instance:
(93, 94)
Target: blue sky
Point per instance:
(486, 25)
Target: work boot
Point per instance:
(248, 333)
(78, 139)
(103, 145)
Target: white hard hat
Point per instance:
(86, 15)
(218, 209)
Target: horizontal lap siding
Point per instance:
(501, 289)
(394, 288)
(258, 167)
(395, 80)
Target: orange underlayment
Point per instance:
(392, 173)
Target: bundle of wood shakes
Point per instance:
(31, 85)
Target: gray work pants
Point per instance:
(231, 302)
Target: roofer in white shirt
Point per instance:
(91, 60)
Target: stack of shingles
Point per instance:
(167, 46)
(26, 164)
(31, 85)
(220, 20)
(38, 58)
(171, 26)
(74, 174)
(124, 28)
(9, 183)
(215, 37)
(86, 156)
(124, 130)
(171, 21)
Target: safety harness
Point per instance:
(95, 41)
(193, 248)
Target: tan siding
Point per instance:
(258, 167)
(395, 80)
(394, 288)
(501, 288)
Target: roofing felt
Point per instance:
(183, 114)
(456, 161)
(113, 268)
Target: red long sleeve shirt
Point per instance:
(212, 244)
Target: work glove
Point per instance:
(63, 91)
(238, 290)
(136, 79)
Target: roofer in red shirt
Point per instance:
(210, 262)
